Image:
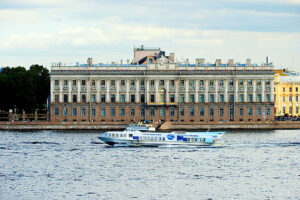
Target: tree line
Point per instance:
(24, 89)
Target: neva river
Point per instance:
(74, 165)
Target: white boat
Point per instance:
(155, 139)
(140, 126)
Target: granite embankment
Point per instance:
(45, 125)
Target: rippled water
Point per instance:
(74, 165)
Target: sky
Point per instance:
(69, 31)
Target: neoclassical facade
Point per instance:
(162, 91)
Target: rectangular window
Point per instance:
(152, 98)
(83, 98)
(93, 111)
(172, 83)
(232, 98)
(93, 82)
(181, 83)
(192, 112)
(268, 82)
(250, 98)
(241, 82)
(258, 97)
(250, 82)
(56, 98)
(102, 98)
(132, 112)
(269, 111)
(93, 98)
(152, 111)
(162, 112)
(142, 82)
(290, 110)
(132, 82)
(211, 111)
(221, 112)
(65, 82)
(211, 98)
(65, 98)
(122, 112)
(161, 82)
(112, 82)
(122, 98)
(102, 82)
(182, 98)
(74, 82)
(113, 98)
(296, 89)
(297, 98)
(231, 112)
(56, 111)
(192, 98)
(172, 112)
(142, 112)
(297, 110)
(142, 98)
(201, 98)
(56, 82)
(74, 98)
(268, 97)
(258, 111)
(191, 82)
(65, 111)
(250, 111)
(221, 83)
(162, 98)
(74, 112)
(83, 82)
(132, 98)
(211, 82)
(283, 89)
(290, 98)
(231, 82)
(83, 111)
(258, 82)
(172, 98)
(201, 83)
(201, 112)
(241, 111)
(182, 111)
(221, 98)
(283, 98)
(122, 83)
(151, 82)
(112, 112)
(102, 112)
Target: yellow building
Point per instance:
(286, 95)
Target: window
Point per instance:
(162, 98)
(93, 98)
(152, 98)
(258, 97)
(250, 98)
(231, 112)
(258, 111)
(65, 98)
(112, 82)
(211, 111)
(221, 112)
(221, 98)
(290, 98)
(132, 112)
(181, 83)
(290, 89)
(152, 111)
(56, 99)
(269, 111)
(142, 98)
(192, 112)
(192, 98)
(142, 112)
(297, 110)
(221, 83)
(172, 112)
(296, 89)
(102, 98)
(268, 82)
(283, 98)
(249, 82)
(65, 82)
(93, 82)
(132, 82)
(241, 82)
(113, 98)
(250, 111)
(161, 82)
(182, 98)
(172, 83)
(201, 111)
(201, 98)
(93, 111)
(142, 82)
(258, 82)
(122, 83)
(112, 112)
(275, 97)
(83, 111)
(65, 112)
(83, 98)
(56, 111)
(74, 98)
(102, 82)
(290, 110)
(172, 98)
(211, 82)
(74, 112)
(241, 111)
(241, 98)
(191, 82)
(297, 98)
(102, 112)
(162, 112)
(231, 82)
(74, 82)
(181, 111)
(231, 98)
(283, 89)
(268, 97)
(122, 98)
(83, 82)
(201, 82)
(211, 98)
(283, 109)
(151, 82)
(56, 82)
(132, 98)
(122, 112)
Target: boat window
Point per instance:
(117, 135)
(164, 139)
(130, 135)
(196, 139)
(113, 135)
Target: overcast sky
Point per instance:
(46, 31)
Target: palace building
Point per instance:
(156, 87)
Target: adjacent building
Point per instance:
(155, 87)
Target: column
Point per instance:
(78, 90)
(107, 91)
(263, 85)
(60, 91)
(176, 91)
(98, 91)
(236, 91)
(118, 91)
(52, 90)
(167, 91)
(254, 90)
(245, 91)
(197, 91)
(156, 92)
(226, 90)
(206, 91)
(216, 91)
(186, 91)
(88, 83)
(147, 91)
(70, 89)
(137, 91)
(127, 90)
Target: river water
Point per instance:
(74, 165)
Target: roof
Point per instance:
(289, 79)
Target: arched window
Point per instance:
(150, 60)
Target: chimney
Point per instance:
(90, 61)
(172, 57)
(230, 62)
(248, 62)
(218, 62)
